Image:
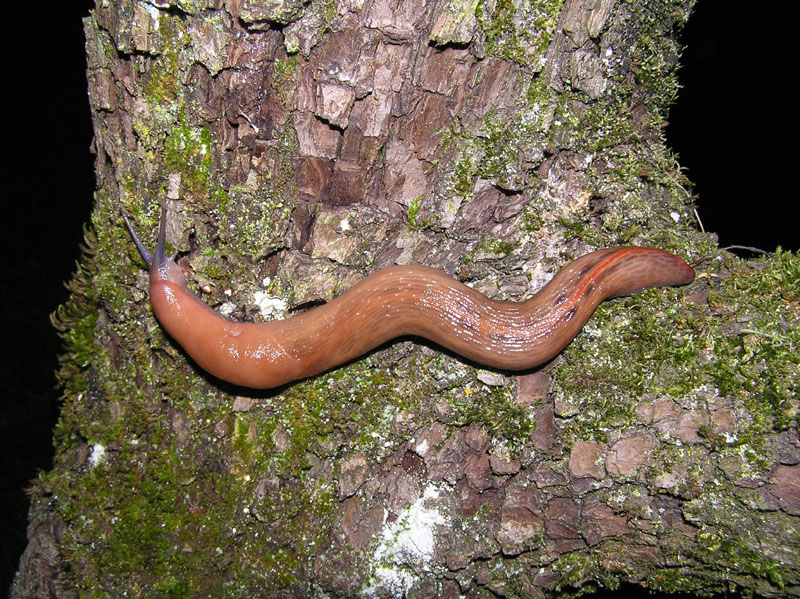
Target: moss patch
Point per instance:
(518, 31)
(746, 348)
(188, 152)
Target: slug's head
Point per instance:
(161, 267)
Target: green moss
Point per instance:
(210, 265)
(413, 212)
(759, 364)
(189, 485)
(576, 570)
(532, 219)
(358, 397)
(256, 225)
(537, 95)
(164, 86)
(463, 178)
(213, 488)
(220, 198)
(495, 410)
(738, 556)
(576, 227)
(606, 124)
(257, 216)
(75, 320)
(725, 546)
(162, 78)
(500, 157)
(188, 151)
(172, 498)
(284, 72)
(518, 31)
(242, 444)
(654, 56)
(417, 219)
(498, 246)
(160, 509)
(160, 520)
(491, 151)
(682, 348)
(490, 247)
(672, 580)
(643, 196)
(329, 13)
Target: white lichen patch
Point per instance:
(227, 308)
(97, 455)
(406, 548)
(422, 448)
(269, 306)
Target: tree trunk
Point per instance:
(298, 146)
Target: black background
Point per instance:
(732, 127)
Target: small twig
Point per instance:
(743, 247)
(729, 247)
(699, 222)
(762, 333)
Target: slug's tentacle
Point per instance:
(160, 266)
(398, 301)
(148, 257)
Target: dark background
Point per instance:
(730, 127)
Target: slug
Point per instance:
(399, 301)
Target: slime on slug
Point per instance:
(399, 301)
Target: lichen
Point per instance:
(406, 547)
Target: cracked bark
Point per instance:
(298, 146)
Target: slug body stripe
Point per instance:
(399, 301)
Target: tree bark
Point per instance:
(298, 146)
